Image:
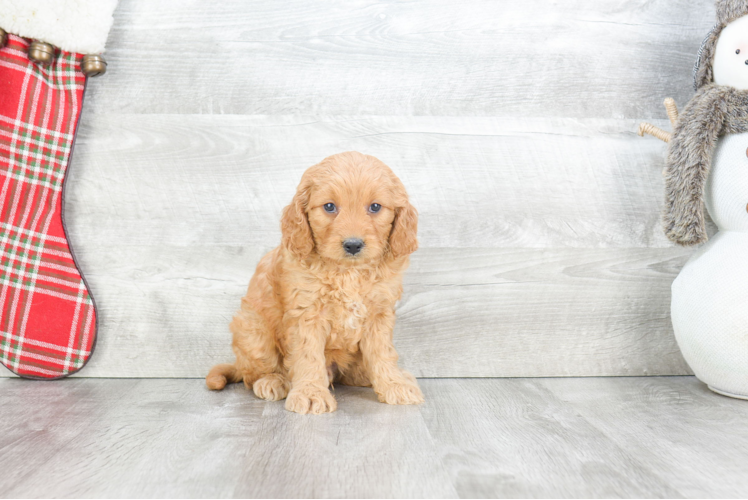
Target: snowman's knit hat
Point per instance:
(727, 12)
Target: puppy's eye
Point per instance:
(375, 207)
(330, 208)
(737, 51)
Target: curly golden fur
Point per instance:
(314, 313)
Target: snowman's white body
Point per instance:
(710, 296)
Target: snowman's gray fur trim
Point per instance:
(702, 70)
(729, 10)
(714, 110)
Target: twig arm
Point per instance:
(648, 128)
(672, 113)
(672, 110)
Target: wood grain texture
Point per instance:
(608, 58)
(175, 211)
(164, 312)
(476, 438)
(657, 426)
(174, 438)
(515, 439)
(477, 182)
(512, 124)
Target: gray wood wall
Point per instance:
(511, 123)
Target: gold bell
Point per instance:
(41, 52)
(3, 38)
(93, 65)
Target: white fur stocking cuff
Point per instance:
(80, 26)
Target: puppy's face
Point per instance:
(351, 215)
(356, 211)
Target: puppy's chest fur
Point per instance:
(346, 300)
(342, 301)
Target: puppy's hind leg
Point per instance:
(257, 356)
(355, 375)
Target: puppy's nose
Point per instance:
(353, 245)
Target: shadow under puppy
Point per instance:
(320, 308)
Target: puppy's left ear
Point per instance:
(403, 239)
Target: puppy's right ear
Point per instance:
(297, 234)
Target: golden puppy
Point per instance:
(320, 308)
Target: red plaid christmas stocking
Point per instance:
(47, 316)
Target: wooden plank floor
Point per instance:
(574, 437)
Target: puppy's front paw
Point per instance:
(311, 400)
(271, 387)
(401, 393)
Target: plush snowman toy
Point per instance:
(707, 167)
